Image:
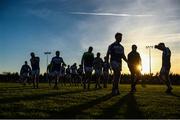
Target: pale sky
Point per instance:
(71, 26)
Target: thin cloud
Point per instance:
(109, 14)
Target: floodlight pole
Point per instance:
(149, 47)
(47, 53)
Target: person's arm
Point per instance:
(29, 68)
(158, 47)
(124, 58)
(108, 54)
(140, 61)
(128, 57)
(21, 70)
(63, 62)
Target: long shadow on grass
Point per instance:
(37, 97)
(175, 95)
(132, 110)
(76, 110)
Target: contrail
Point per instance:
(109, 14)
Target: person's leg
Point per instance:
(105, 80)
(37, 81)
(33, 79)
(132, 81)
(89, 79)
(85, 80)
(49, 79)
(168, 82)
(96, 80)
(116, 79)
(99, 84)
(56, 79)
(164, 76)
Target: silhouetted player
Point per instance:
(25, 73)
(49, 73)
(56, 63)
(62, 75)
(134, 64)
(35, 69)
(166, 65)
(87, 62)
(74, 73)
(116, 51)
(80, 74)
(68, 74)
(98, 65)
(106, 68)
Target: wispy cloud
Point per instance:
(110, 14)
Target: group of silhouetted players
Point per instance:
(58, 73)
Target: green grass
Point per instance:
(17, 101)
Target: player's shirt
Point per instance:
(97, 63)
(106, 66)
(166, 58)
(56, 63)
(35, 63)
(74, 69)
(134, 59)
(25, 69)
(116, 50)
(88, 59)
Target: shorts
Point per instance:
(50, 74)
(116, 66)
(164, 70)
(35, 72)
(98, 72)
(88, 69)
(56, 73)
(24, 75)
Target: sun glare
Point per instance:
(145, 64)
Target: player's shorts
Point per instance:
(62, 74)
(88, 69)
(105, 73)
(116, 66)
(164, 70)
(98, 72)
(35, 72)
(51, 74)
(24, 75)
(56, 74)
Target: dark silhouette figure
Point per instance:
(68, 74)
(56, 63)
(106, 68)
(25, 73)
(74, 74)
(98, 66)
(134, 64)
(116, 51)
(80, 74)
(87, 62)
(62, 74)
(49, 73)
(35, 70)
(166, 65)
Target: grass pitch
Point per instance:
(17, 101)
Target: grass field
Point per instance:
(17, 101)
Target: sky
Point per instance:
(71, 26)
